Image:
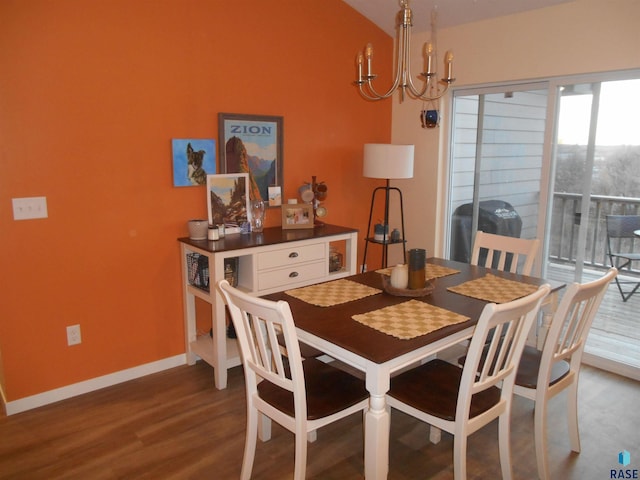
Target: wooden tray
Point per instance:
(405, 292)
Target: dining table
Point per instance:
(356, 321)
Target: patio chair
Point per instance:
(543, 374)
(302, 396)
(620, 249)
(504, 252)
(463, 400)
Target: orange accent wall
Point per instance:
(91, 94)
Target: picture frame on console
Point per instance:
(297, 216)
(228, 199)
(252, 144)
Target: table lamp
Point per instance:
(390, 162)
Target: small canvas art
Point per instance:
(193, 160)
(275, 196)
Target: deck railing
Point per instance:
(567, 216)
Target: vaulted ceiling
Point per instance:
(449, 12)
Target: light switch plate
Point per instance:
(29, 207)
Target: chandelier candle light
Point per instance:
(403, 79)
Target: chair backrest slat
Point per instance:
(506, 251)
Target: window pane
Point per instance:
(497, 160)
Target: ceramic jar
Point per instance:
(400, 276)
(198, 229)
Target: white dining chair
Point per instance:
(302, 396)
(504, 253)
(463, 400)
(543, 374)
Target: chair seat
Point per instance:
(529, 367)
(329, 391)
(434, 388)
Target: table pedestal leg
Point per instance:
(376, 453)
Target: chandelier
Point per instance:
(431, 89)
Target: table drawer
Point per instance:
(291, 256)
(293, 275)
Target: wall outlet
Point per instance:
(73, 335)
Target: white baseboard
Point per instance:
(62, 393)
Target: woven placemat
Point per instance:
(432, 271)
(494, 289)
(409, 319)
(332, 293)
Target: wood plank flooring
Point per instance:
(176, 425)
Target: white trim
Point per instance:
(612, 366)
(553, 80)
(62, 393)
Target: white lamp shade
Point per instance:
(383, 160)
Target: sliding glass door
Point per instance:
(550, 160)
(496, 163)
(597, 173)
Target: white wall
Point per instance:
(584, 36)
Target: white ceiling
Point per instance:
(450, 12)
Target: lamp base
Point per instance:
(386, 240)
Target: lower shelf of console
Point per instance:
(203, 348)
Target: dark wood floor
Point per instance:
(176, 425)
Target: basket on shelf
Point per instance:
(198, 270)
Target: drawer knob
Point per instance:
(293, 274)
(293, 254)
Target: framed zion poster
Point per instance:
(252, 144)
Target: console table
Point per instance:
(264, 263)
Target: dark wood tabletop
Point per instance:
(269, 236)
(334, 324)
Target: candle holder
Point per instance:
(257, 216)
(417, 264)
(427, 289)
